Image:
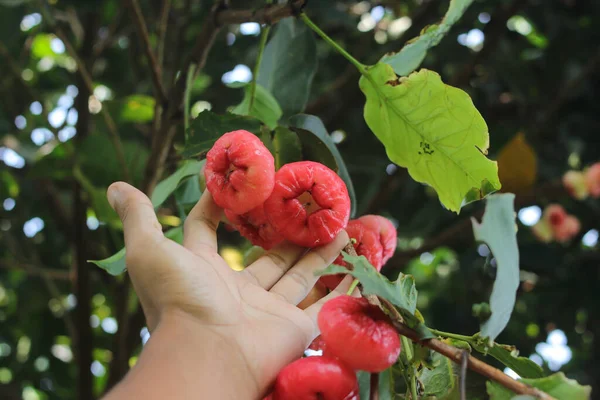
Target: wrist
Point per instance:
(190, 360)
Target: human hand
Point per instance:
(253, 312)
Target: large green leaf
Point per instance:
(286, 147)
(315, 126)
(402, 293)
(115, 264)
(208, 127)
(413, 53)
(508, 355)
(440, 380)
(386, 388)
(167, 186)
(556, 385)
(136, 108)
(432, 129)
(499, 231)
(289, 64)
(264, 106)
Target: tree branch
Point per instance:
(162, 30)
(374, 389)
(34, 270)
(86, 77)
(476, 365)
(155, 68)
(269, 14)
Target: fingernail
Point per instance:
(113, 195)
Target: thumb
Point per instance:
(135, 210)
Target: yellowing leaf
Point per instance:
(517, 165)
(432, 129)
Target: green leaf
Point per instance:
(440, 380)
(98, 200)
(286, 146)
(167, 186)
(315, 126)
(432, 129)
(208, 127)
(413, 53)
(556, 385)
(115, 264)
(403, 295)
(508, 355)
(40, 46)
(189, 192)
(499, 231)
(136, 108)
(289, 64)
(264, 106)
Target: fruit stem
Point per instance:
(456, 336)
(352, 287)
(261, 49)
(361, 67)
(374, 392)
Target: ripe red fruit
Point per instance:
(592, 180)
(359, 334)
(386, 231)
(309, 205)
(567, 230)
(318, 344)
(239, 171)
(367, 243)
(255, 227)
(314, 378)
(555, 214)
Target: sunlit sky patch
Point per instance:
(530, 216)
(240, 73)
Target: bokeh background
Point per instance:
(69, 330)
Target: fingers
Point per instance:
(270, 267)
(140, 225)
(340, 290)
(200, 228)
(299, 280)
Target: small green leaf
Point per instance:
(115, 264)
(413, 53)
(98, 200)
(208, 127)
(402, 295)
(189, 192)
(315, 149)
(556, 385)
(508, 355)
(440, 380)
(289, 65)
(286, 146)
(137, 108)
(167, 186)
(432, 129)
(499, 231)
(264, 106)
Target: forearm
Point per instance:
(183, 360)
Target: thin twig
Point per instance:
(161, 30)
(463, 375)
(34, 270)
(155, 68)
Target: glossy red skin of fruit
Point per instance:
(388, 237)
(318, 344)
(316, 378)
(239, 171)
(255, 227)
(293, 219)
(359, 334)
(367, 243)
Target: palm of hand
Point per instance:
(253, 310)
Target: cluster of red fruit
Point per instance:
(304, 202)
(308, 204)
(581, 184)
(556, 224)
